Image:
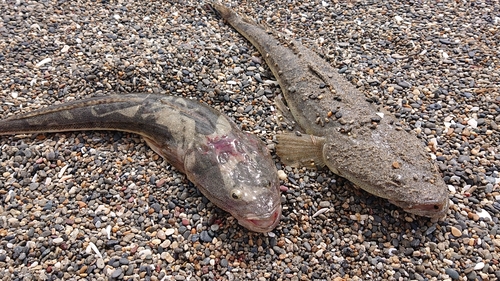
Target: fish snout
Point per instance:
(262, 223)
(436, 209)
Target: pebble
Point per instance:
(456, 232)
(479, 266)
(73, 186)
(100, 263)
(205, 237)
(169, 231)
(452, 273)
(117, 272)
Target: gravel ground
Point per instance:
(104, 206)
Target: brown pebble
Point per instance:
(83, 269)
(81, 204)
(456, 232)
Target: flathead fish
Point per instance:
(354, 138)
(231, 168)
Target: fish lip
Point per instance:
(262, 222)
(425, 209)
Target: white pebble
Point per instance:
(43, 62)
(92, 247)
(452, 189)
(108, 231)
(65, 49)
(398, 19)
(320, 211)
(100, 263)
(479, 266)
(472, 123)
(57, 265)
(61, 172)
(57, 240)
(281, 175)
(484, 214)
(391, 250)
(36, 26)
(144, 253)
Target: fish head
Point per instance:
(238, 174)
(404, 175)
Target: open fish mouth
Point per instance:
(262, 223)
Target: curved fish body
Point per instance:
(343, 131)
(231, 168)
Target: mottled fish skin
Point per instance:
(232, 169)
(354, 138)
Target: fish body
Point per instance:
(355, 139)
(231, 168)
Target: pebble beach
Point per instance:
(101, 205)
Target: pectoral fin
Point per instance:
(285, 116)
(303, 150)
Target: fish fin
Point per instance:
(166, 153)
(296, 150)
(285, 117)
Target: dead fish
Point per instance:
(231, 168)
(343, 131)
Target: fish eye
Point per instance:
(236, 194)
(266, 183)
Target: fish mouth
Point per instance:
(262, 223)
(428, 209)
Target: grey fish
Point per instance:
(353, 138)
(231, 168)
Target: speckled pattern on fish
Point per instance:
(353, 138)
(231, 168)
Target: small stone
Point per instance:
(205, 237)
(282, 175)
(100, 263)
(324, 204)
(161, 235)
(117, 273)
(57, 240)
(479, 266)
(452, 273)
(456, 232)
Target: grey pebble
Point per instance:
(452, 273)
(205, 237)
(117, 272)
